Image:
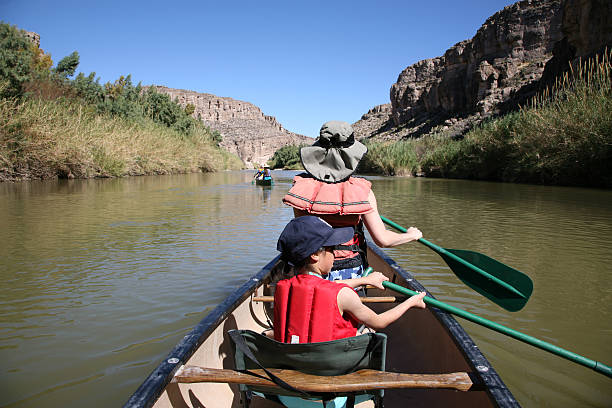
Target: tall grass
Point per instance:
(393, 159)
(61, 138)
(563, 137)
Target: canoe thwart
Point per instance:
(371, 299)
(360, 380)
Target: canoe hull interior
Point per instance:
(422, 341)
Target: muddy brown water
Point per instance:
(101, 278)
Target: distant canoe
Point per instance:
(426, 341)
(264, 182)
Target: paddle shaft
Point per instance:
(462, 261)
(568, 355)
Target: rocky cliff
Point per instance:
(499, 68)
(246, 131)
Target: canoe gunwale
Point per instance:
(487, 377)
(150, 390)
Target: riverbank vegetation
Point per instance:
(563, 137)
(54, 126)
(287, 157)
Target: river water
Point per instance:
(101, 278)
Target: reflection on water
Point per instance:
(102, 277)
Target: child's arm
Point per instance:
(348, 301)
(375, 279)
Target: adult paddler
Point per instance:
(328, 190)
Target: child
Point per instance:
(308, 308)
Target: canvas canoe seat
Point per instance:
(329, 358)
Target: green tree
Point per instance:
(162, 109)
(67, 65)
(15, 61)
(122, 98)
(89, 88)
(287, 157)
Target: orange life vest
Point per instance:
(317, 197)
(306, 311)
(341, 205)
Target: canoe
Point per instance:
(264, 182)
(426, 341)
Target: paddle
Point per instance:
(503, 285)
(568, 355)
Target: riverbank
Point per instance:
(563, 138)
(47, 139)
(52, 126)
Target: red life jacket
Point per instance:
(306, 306)
(341, 205)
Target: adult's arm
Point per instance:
(382, 236)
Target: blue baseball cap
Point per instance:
(303, 236)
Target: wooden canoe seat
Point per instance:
(365, 379)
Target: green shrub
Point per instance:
(287, 157)
(16, 61)
(88, 88)
(67, 65)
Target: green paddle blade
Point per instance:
(511, 297)
(499, 283)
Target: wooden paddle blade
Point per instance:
(509, 300)
(358, 381)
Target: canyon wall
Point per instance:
(246, 131)
(501, 67)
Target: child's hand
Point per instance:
(376, 279)
(417, 300)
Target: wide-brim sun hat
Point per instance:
(334, 156)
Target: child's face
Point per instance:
(326, 260)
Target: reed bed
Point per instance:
(61, 138)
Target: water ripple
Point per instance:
(101, 278)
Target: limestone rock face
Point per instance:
(32, 37)
(376, 121)
(246, 131)
(587, 24)
(499, 68)
(587, 31)
(474, 76)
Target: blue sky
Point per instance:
(305, 62)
